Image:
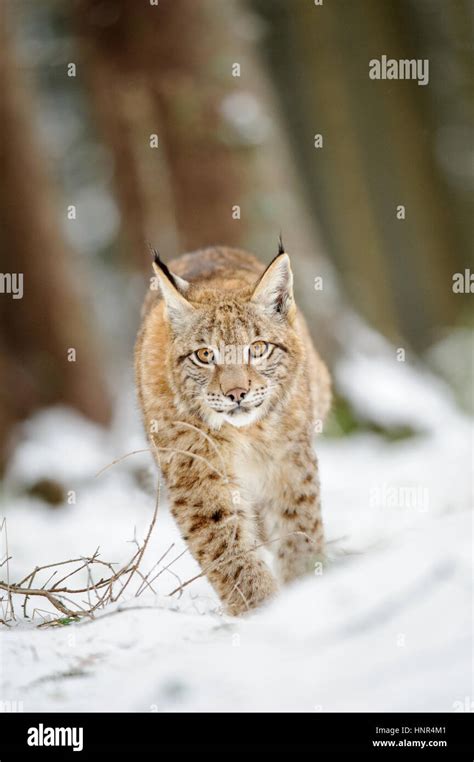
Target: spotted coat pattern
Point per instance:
(239, 478)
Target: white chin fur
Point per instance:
(243, 419)
(216, 420)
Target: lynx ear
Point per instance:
(274, 290)
(173, 288)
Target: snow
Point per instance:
(387, 626)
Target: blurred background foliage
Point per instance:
(166, 69)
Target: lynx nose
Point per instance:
(237, 394)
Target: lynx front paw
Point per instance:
(251, 586)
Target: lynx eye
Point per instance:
(205, 355)
(258, 348)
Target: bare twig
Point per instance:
(227, 559)
(114, 582)
(10, 609)
(211, 442)
(119, 460)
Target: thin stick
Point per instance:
(211, 441)
(139, 591)
(220, 561)
(119, 460)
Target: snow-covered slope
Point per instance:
(387, 626)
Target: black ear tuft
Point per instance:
(281, 248)
(164, 268)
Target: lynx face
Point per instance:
(234, 355)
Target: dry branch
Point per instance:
(108, 589)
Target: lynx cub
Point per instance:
(230, 388)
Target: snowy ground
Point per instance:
(387, 626)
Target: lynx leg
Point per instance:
(300, 524)
(222, 536)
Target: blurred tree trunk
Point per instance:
(220, 140)
(380, 151)
(125, 110)
(36, 331)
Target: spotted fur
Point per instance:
(234, 438)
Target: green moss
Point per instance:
(344, 421)
(66, 620)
